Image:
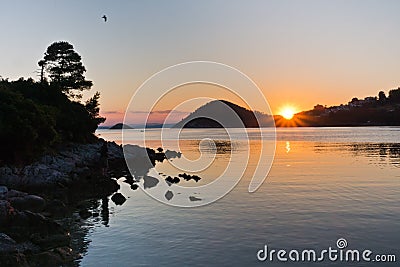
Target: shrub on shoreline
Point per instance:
(37, 116)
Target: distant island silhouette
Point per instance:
(120, 126)
(218, 114)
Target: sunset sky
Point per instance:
(300, 53)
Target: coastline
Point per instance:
(34, 200)
(39, 200)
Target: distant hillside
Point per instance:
(120, 126)
(378, 110)
(217, 112)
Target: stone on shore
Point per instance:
(31, 235)
(3, 191)
(4, 211)
(59, 169)
(7, 244)
(9, 252)
(29, 202)
(21, 200)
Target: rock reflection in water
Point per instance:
(79, 228)
(221, 146)
(105, 212)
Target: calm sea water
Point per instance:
(324, 184)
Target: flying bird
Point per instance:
(104, 17)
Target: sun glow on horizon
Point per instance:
(287, 112)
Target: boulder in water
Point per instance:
(118, 199)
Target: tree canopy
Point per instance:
(64, 68)
(35, 117)
(394, 95)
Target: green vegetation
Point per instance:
(35, 117)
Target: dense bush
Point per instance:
(34, 117)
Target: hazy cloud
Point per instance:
(112, 112)
(161, 112)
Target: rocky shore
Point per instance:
(35, 198)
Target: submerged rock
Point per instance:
(134, 186)
(169, 195)
(118, 199)
(150, 182)
(192, 198)
(170, 154)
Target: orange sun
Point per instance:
(287, 112)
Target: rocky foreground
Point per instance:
(35, 198)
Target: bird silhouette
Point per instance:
(104, 17)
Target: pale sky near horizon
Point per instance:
(299, 53)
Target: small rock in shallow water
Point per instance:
(134, 186)
(192, 198)
(149, 182)
(169, 195)
(169, 179)
(118, 199)
(169, 154)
